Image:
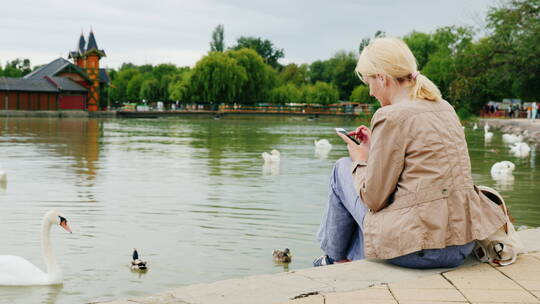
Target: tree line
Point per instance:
(503, 63)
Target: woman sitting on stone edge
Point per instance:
(406, 193)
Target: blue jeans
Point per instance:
(341, 231)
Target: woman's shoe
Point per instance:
(323, 261)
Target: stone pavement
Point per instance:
(375, 281)
(482, 283)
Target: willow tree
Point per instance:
(286, 94)
(261, 78)
(217, 78)
(361, 94)
(322, 93)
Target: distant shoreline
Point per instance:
(157, 114)
(516, 126)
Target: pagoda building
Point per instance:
(87, 57)
(60, 84)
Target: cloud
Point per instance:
(156, 31)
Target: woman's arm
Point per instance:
(376, 179)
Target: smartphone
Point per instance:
(344, 132)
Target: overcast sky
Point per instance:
(168, 31)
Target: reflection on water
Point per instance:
(271, 168)
(32, 294)
(193, 195)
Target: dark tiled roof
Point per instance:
(92, 45)
(53, 84)
(67, 84)
(104, 76)
(49, 69)
(79, 48)
(54, 68)
(21, 84)
(82, 43)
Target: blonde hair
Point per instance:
(392, 57)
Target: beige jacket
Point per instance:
(417, 183)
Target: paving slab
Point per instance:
(526, 273)
(434, 294)
(368, 295)
(481, 276)
(499, 296)
(431, 282)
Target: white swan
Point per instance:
(272, 157)
(520, 149)
(502, 171)
(475, 126)
(322, 148)
(511, 138)
(487, 135)
(16, 271)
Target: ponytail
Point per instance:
(423, 88)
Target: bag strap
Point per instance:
(492, 194)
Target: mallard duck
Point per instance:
(282, 256)
(136, 263)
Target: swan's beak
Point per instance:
(65, 226)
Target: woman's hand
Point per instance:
(361, 151)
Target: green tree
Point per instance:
(150, 90)
(338, 70)
(287, 93)
(361, 94)
(295, 74)
(217, 78)
(421, 45)
(265, 48)
(218, 36)
(515, 27)
(17, 68)
(321, 93)
(133, 89)
(319, 70)
(260, 77)
(443, 66)
(343, 77)
(163, 74)
(179, 87)
(120, 83)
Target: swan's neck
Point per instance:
(53, 271)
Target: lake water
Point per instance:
(190, 193)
